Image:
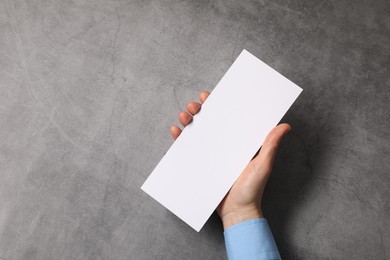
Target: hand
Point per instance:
(243, 201)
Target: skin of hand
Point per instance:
(243, 201)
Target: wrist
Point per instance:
(233, 218)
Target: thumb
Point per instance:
(264, 160)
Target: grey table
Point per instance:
(88, 90)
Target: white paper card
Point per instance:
(204, 162)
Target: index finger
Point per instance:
(203, 96)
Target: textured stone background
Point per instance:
(88, 90)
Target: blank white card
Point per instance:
(204, 162)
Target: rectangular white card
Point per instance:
(204, 162)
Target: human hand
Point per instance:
(243, 201)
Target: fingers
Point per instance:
(264, 161)
(175, 131)
(203, 96)
(186, 117)
(193, 107)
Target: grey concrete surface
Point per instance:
(88, 90)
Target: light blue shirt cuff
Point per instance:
(251, 240)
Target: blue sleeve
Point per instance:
(250, 240)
